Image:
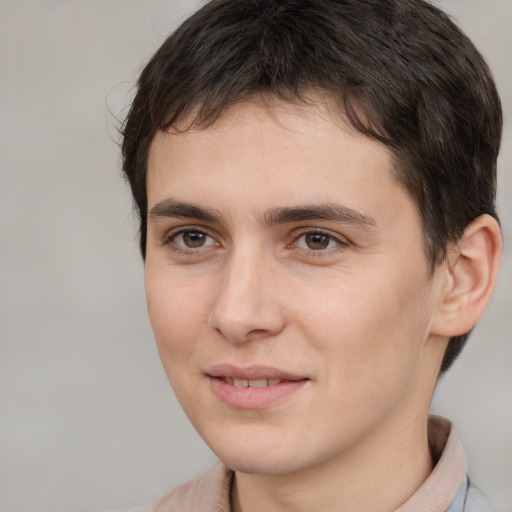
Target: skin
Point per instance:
(355, 318)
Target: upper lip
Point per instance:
(252, 372)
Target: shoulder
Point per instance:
(208, 493)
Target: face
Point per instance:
(287, 287)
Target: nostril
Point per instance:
(257, 332)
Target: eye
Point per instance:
(192, 239)
(317, 241)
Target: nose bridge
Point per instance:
(245, 306)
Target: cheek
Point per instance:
(176, 314)
(367, 331)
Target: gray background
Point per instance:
(87, 419)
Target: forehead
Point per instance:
(255, 163)
(274, 142)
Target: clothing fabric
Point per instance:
(447, 488)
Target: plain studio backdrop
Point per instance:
(88, 421)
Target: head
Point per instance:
(315, 182)
(401, 73)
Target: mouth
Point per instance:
(253, 387)
(252, 376)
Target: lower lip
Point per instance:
(253, 398)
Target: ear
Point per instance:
(469, 274)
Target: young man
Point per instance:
(315, 182)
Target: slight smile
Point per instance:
(253, 387)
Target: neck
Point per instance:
(379, 473)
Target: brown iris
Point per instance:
(317, 241)
(194, 239)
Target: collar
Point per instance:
(448, 478)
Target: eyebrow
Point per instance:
(331, 212)
(275, 216)
(183, 210)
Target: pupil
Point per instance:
(317, 241)
(193, 239)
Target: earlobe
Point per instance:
(471, 270)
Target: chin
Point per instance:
(253, 453)
(250, 457)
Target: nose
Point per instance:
(246, 306)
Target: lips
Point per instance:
(252, 376)
(253, 387)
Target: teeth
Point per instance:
(258, 383)
(252, 383)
